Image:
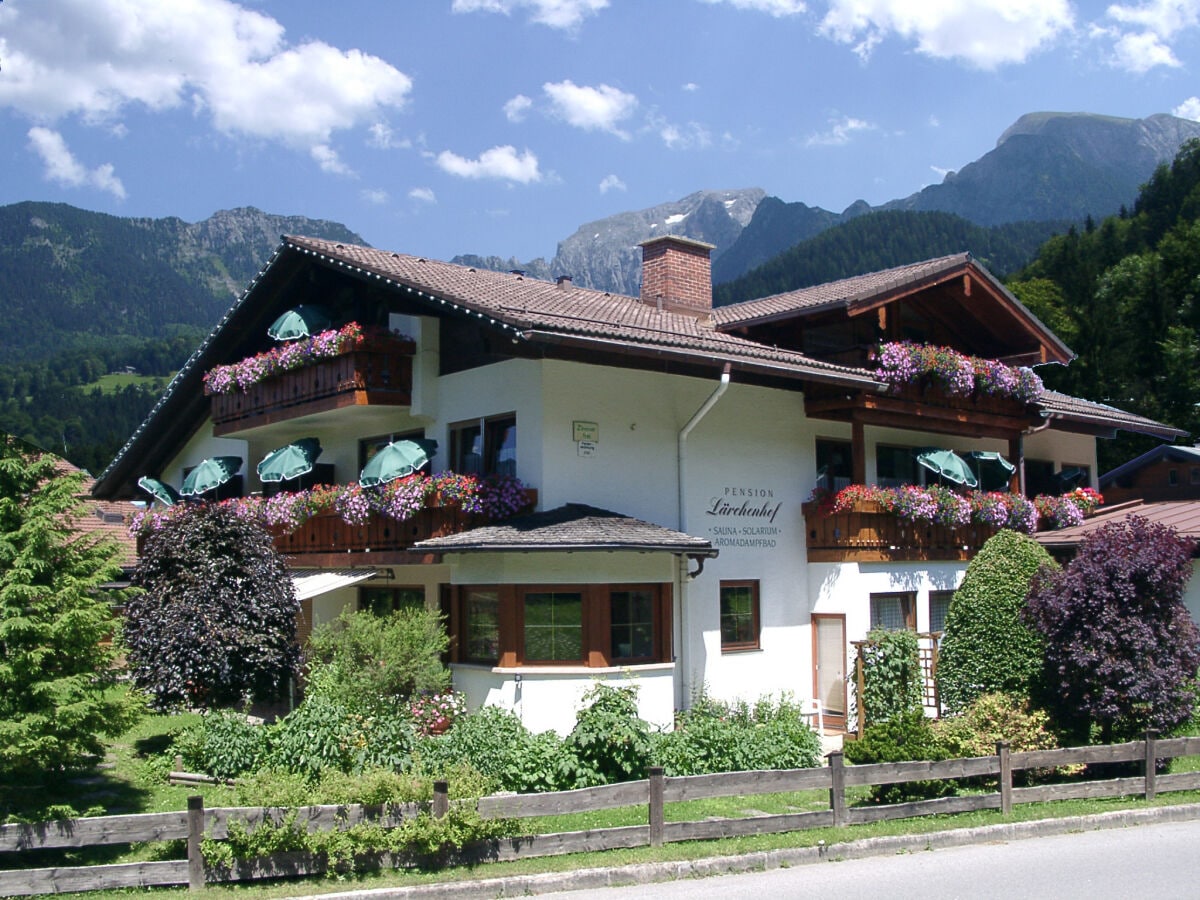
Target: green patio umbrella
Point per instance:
(211, 473)
(992, 469)
(290, 461)
(948, 465)
(303, 321)
(163, 493)
(396, 460)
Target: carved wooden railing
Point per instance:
(329, 533)
(869, 534)
(376, 372)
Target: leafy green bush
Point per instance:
(991, 718)
(717, 737)
(324, 734)
(987, 646)
(495, 742)
(609, 742)
(364, 660)
(225, 744)
(892, 675)
(902, 738)
(278, 787)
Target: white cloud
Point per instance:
(1188, 109)
(498, 162)
(329, 161)
(1143, 33)
(941, 173)
(691, 87)
(423, 194)
(374, 196)
(692, 136)
(611, 183)
(839, 133)
(566, 14)
(591, 108)
(777, 8)
(982, 33)
(516, 108)
(935, 122)
(383, 138)
(62, 166)
(94, 58)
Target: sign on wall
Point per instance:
(744, 516)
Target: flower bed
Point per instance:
(241, 376)
(494, 497)
(903, 362)
(946, 507)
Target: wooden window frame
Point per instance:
(908, 607)
(586, 638)
(489, 452)
(755, 615)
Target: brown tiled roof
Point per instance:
(1182, 515)
(843, 292)
(533, 309)
(1073, 409)
(572, 527)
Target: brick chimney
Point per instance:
(677, 274)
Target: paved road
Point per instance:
(1161, 861)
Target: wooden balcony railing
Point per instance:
(868, 534)
(375, 373)
(328, 532)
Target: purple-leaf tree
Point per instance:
(1121, 649)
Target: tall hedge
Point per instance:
(987, 647)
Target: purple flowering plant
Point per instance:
(904, 362)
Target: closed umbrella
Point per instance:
(290, 461)
(992, 469)
(303, 321)
(211, 473)
(163, 493)
(948, 465)
(396, 460)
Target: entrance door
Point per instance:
(829, 666)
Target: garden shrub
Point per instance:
(892, 680)
(610, 742)
(902, 738)
(495, 743)
(987, 646)
(322, 733)
(225, 744)
(278, 787)
(363, 660)
(1121, 648)
(991, 718)
(717, 737)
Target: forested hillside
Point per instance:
(881, 240)
(1125, 296)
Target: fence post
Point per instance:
(441, 799)
(1151, 762)
(837, 788)
(1005, 777)
(656, 805)
(195, 859)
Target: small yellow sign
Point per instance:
(585, 431)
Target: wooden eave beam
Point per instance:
(892, 412)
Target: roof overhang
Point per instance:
(311, 584)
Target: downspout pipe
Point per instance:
(684, 575)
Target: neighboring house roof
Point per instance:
(599, 323)
(1167, 452)
(1182, 515)
(573, 527)
(1102, 417)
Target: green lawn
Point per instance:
(113, 382)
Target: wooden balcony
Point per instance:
(377, 373)
(326, 539)
(868, 534)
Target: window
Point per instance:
(894, 466)
(1039, 477)
(631, 624)
(384, 600)
(553, 626)
(834, 468)
(939, 606)
(368, 447)
(485, 446)
(1195, 475)
(893, 612)
(739, 615)
(1172, 477)
(481, 626)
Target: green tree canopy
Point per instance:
(987, 647)
(56, 671)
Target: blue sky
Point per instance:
(499, 126)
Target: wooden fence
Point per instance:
(655, 792)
